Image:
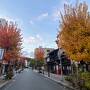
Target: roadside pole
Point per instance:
(1, 56)
(59, 56)
(48, 67)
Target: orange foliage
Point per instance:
(39, 54)
(10, 40)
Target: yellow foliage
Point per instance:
(74, 36)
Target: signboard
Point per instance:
(1, 53)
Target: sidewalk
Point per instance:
(58, 79)
(4, 82)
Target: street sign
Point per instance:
(1, 53)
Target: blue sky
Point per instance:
(38, 20)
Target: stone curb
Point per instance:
(6, 82)
(59, 82)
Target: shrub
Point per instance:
(86, 77)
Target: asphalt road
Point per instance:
(29, 80)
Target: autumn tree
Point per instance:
(39, 56)
(39, 53)
(10, 41)
(74, 35)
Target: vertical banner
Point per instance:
(1, 53)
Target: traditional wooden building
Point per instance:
(57, 60)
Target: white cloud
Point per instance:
(59, 8)
(31, 22)
(30, 43)
(9, 17)
(42, 16)
(56, 14)
(34, 40)
(39, 18)
(25, 53)
(32, 54)
(28, 53)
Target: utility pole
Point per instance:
(59, 56)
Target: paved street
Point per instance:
(29, 80)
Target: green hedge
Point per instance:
(83, 80)
(86, 77)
